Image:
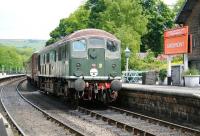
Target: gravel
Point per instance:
(32, 122)
(141, 124)
(58, 109)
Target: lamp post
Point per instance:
(127, 55)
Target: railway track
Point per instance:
(30, 119)
(112, 121)
(56, 108)
(138, 124)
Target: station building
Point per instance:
(190, 16)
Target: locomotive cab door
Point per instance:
(96, 60)
(96, 56)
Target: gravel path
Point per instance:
(28, 118)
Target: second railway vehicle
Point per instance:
(83, 65)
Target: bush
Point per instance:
(192, 71)
(162, 74)
(147, 63)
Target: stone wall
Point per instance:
(165, 106)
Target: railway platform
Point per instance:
(193, 92)
(5, 128)
(174, 103)
(8, 76)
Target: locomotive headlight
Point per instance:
(114, 65)
(78, 65)
(94, 65)
(93, 72)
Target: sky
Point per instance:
(170, 2)
(35, 19)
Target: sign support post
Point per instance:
(185, 62)
(169, 74)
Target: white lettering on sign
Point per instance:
(175, 32)
(175, 45)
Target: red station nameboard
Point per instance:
(176, 41)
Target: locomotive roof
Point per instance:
(79, 34)
(90, 32)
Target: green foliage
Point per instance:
(126, 21)
(178, 6)
(139, 24)
(96, 8)
(147, 63)
(177, 59)
(192, 71)
(112, 16)
(160, 17)
(162, 74)
(12, 57)
(76, 21)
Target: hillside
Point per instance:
(23, 43)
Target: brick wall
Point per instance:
(194, 28)
(170, 107)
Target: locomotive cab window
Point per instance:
(97, 42)
(112, 49)
(79, 45)
(79, 48)
(111, 46)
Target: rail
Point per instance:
(71, 128)
(118, 124)
(160, 122)
(134, 129)
(19, 130)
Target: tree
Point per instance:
(177, 7)
(126, 21)
(160, 17)
(96, 8)
(77, 20)
(11, 57)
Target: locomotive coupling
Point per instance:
(79, 84)
(116, 85)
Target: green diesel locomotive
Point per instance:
(83, 65)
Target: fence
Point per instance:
(132, 76)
